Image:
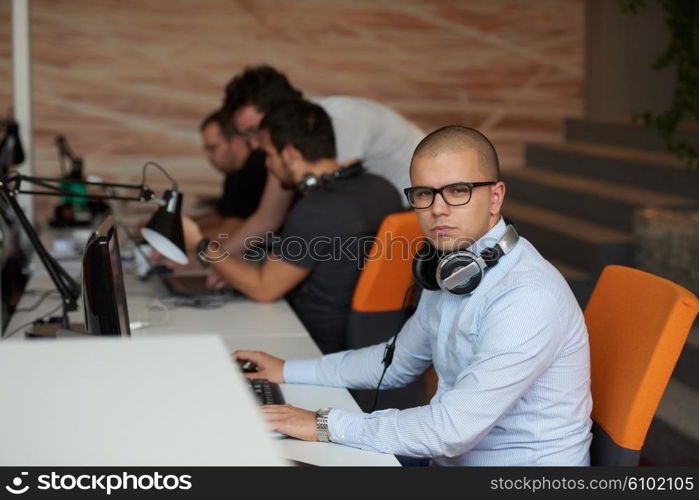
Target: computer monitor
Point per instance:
(103, 283)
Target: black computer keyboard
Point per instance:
(268, 393)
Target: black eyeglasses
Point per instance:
(455, 194)
(250, 133)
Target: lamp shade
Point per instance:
(164, 230)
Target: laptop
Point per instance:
(192, 285)
(186, 284)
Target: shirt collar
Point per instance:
(489, 239)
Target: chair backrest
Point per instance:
(377, 304)
(388, 268)
(637, 325)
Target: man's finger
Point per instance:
(245, 355)
(274, 408)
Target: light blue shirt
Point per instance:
(513, 365)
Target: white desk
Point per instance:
(117, 401)
(242, 325)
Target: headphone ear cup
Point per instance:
(453, 262)
(425, 266)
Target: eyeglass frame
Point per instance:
(440, 191)
(250, 133)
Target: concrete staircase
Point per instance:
(576, 201)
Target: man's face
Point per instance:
(225, 155)
(247, 122)
(456, 227)
(274, 162)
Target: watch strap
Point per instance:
(202, 246)
(322, 429)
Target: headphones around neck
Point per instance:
(311, 182)
(459, 272)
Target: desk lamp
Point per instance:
(163, 232)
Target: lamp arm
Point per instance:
(53, 184)
(65, 284)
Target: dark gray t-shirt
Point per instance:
(329, 231)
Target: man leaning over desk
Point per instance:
(511, 356)
(244, 170)
(338, 207)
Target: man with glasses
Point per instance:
(365, 131)
(245, 173)
(511, 354)
(321, 250)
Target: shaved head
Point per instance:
(459, 139)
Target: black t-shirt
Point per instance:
(329, 231)
(243, 189)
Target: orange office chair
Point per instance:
(637, 325)
(378, 310)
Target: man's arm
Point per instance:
(269, 216)
(223, 226)
(520, 341)
(350, 369)
(508, 360)
(207, 219)
(362, 368)
(264, 283)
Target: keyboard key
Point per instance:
(268, 393)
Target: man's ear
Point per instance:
(497, 196)
(290, 154)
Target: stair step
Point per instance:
(666, 445)
(687, 369)
(673, 437)
(693, 337)
(625, 134)
(593, 199)
(570, 240)
(680, 408)
(651, 170)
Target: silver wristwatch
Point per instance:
(322, 430)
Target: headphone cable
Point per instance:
(391, 346)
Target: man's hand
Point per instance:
(215, 281)
(292, 421)
(268, 366)
(159, 259)
(192, 234)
